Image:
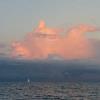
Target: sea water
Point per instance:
(49, 91)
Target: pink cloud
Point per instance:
(44, 41)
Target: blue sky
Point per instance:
(17, 17)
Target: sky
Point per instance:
(18, 17)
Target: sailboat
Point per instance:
(28, 80)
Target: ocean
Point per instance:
(49, 91)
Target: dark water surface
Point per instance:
(49, 91)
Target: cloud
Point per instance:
(2, 45)
(78, 46)
(44, 41)
(96, 45)
(4, 50)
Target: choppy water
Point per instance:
(49, 91)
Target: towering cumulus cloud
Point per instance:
(44, 41)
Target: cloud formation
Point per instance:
(44, 41)
(4, 50)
